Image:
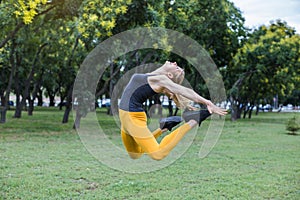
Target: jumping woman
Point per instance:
(167, 79)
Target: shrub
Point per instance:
(293, 125)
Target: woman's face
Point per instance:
(176, 71)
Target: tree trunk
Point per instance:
(77, 121)
(250, 112)
(31, 106)
(36, 88)
(19, 106)
(61, 104)
(245, 112)
(3, 109)
(233, 114)
(257, 109)
(234, 111)
(40, 97)
(18, 111)
(51, 100)
(70, 85)
(68, 105)
(3, 115)
(4, 101)
(66, 115)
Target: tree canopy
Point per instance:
(44, 42)
(264, 68)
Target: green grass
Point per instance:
(40, 158)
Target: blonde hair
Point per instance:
(180, 101)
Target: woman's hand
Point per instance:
(190, 107)
(212, 108)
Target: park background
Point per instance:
(42, 46)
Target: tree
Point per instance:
(216, 25)
(6, 77)
(28, 77)
(265, 66)
(95, 22)
(20, 15)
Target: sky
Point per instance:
(261, 12)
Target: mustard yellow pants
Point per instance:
(138, 139)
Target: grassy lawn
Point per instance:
(40, 158)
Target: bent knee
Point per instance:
(157, 155)
(135, 155)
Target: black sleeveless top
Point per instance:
(136, 93)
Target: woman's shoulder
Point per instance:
(161, 81)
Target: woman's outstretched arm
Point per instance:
(161, 83)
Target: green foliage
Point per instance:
(293, 125)
(216, 25)
(265, 66)
(27, 10)
(98, 18)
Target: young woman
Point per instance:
(136, 136)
